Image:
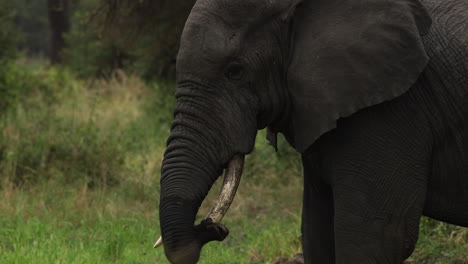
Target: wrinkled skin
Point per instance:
(370, 174)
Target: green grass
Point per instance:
(440, 243)
(79, 181)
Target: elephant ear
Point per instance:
(350, 54)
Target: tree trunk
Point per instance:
(59, 20)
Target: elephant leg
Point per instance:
(317, 216)
(367, 235)
(379, 194)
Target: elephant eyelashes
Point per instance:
(235, 71)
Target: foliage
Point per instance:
(12, 85)
(141, 37)
(87, 54)
(46, 136)
(9, 35)
(147, 31)
(21, 87)
(31, 19)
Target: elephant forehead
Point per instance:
(203, 39)
(235, 14)
(204, 47)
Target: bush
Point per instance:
(11, 85)
(32, 20)
(9, 34)
(141, 37)
(87, 54)
(9, 37)
(21, 86)
(28, 106)
(61, 129)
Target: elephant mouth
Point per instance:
(228, 191)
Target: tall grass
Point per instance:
(84, 131)
(79, 180)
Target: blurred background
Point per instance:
(86, 95)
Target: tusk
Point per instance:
(158, 243)
(228, 191)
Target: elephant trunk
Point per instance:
(196, 155)
(226, 196)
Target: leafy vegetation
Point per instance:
(147, 31)
(9, 36)
(31, 21)
(141, 37)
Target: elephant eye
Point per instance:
(235, 71)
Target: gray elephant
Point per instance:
(372, 93)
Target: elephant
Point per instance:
(372, 93)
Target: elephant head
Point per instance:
(290, 65)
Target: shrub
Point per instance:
(141, 37)
(28, 117)
(9, 34)
(70, 131)
(87, 54)
(32, 20)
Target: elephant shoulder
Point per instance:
(447, 46)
